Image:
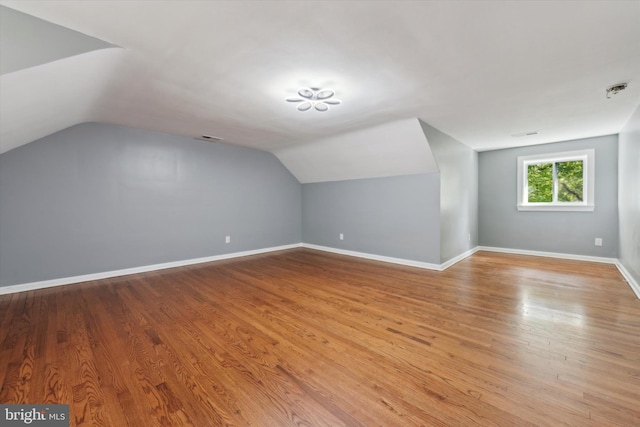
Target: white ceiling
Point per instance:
(479, 71)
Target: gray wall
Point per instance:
(394, 216)
(458, 165)
(98, 197)
(502, 225)
(629, 195)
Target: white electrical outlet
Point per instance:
(598, 241)
(227, 239)
(341, 236)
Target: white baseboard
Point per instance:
(401, 261)
(437, 267)
(458, 258)
(115, 273)
(635, 287)
(625, 274)
(549, 254)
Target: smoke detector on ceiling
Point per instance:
(615, 89)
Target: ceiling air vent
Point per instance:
(209, 138)
(518, 135)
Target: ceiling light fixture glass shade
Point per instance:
(314, 98)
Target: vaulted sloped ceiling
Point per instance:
(390, 149)
(479, 71)
(26, 41)
(39, 101)
(52, 77)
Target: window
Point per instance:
(556, 182)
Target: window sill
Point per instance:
(557, 208)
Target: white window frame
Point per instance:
(588, 181)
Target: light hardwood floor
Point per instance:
(305, 338)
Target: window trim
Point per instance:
(588, 168)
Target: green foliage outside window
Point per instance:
(569, 182)
(540, 181)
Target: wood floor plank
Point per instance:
(306, 338)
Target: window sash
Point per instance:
(588, 181)
(555, 182)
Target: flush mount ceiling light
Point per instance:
(314, 98)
